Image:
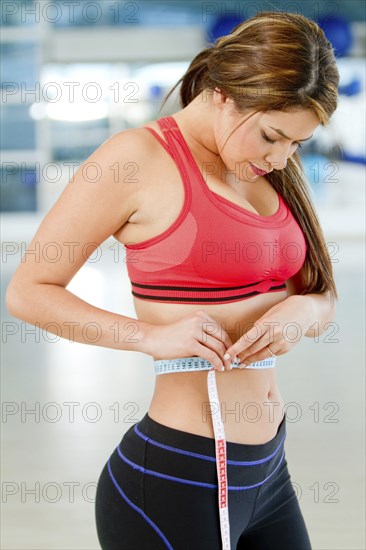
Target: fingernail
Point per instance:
(227, 356)
(242, 365)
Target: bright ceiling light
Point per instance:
(77, 111)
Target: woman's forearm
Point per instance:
(56, 310)
(320, 311)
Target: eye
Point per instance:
(267, 138)
(273, 141)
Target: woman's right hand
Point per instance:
(195, 334)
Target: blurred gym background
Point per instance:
(72, 74)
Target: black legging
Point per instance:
(158, 490)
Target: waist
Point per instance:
(249, 400)
(188, 364)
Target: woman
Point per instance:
(228, 263)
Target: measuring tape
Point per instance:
(220, 450)
(184, 364)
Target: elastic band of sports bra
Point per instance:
(187, 364)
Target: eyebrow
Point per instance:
(282, 134)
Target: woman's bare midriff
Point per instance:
(250, 401)
(251, 405)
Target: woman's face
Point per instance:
(255, 142)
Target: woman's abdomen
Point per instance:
(251, 405)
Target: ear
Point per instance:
(220, 98)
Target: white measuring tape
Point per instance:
(220, 449)
(184, 364)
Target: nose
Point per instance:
(277, 158)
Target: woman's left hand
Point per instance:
(281, 328)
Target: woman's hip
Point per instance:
(150, 449)
(166, 477)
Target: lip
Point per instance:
(257, 170)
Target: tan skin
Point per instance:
(180, 400)
(136, 207)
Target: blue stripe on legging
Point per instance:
(206, 457)
(141, 512)
(190, 481)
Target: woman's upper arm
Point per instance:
(94, 204)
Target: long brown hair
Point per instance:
(277, 61)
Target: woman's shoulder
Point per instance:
(131, 137)
(137, 142)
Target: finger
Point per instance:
(220, 349)
(254, 357)
(215, 338)
(257, 349)
(213, 328)
(211, 356)
(217, 346)
(250, 342)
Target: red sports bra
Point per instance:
(215, 251)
